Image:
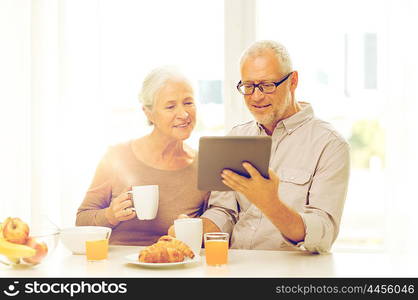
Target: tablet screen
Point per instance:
(229, 152)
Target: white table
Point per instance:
(242, 263)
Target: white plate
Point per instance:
(133, 259)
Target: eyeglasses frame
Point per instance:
(276, 84)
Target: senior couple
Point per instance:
(298, 208)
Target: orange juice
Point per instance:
(97, 250)
(216, 252)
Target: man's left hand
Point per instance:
(259, 190)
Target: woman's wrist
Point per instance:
(110, 217)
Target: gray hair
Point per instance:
(279, 50)
(155, 80)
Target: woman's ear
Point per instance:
(148, 113)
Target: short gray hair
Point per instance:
(155, 80)
(279, 50)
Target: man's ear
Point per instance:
(148, 114)
(294, 79)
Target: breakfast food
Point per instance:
(166, 250)
(178, 245)
(13, 250)
(41, 251)
(15, 231)
(17, 245)
(159, 253)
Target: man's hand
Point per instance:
(257, 189)
(171, 230)
(208, 226)
(263, 193)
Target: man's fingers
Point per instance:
(183, 216)
(236, 186)
(171, 231)
(251, 170)
(233, 178)
(273, 175)
(227, 183)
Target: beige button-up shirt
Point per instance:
(312, 162)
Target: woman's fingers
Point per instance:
(121, 206)
(128, 214)
(125, 204)
(124, 213)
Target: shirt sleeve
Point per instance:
(322, 213)
(98, 197)
(222, 210)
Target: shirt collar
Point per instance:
(295, 121)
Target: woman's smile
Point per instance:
(183, 125)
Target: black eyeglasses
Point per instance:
(264, 87)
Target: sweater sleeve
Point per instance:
(98, 196)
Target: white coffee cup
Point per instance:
(145, 199)
(190, 232)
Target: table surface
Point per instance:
(242, 263)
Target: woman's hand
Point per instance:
(120, 208)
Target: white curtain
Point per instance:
(15, 112)
(52, 117)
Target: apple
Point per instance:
(15, 231)
(41, 251)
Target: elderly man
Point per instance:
(300, 205)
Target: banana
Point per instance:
(1, 230)
(14, 260)
(12, 250)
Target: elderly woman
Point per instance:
(159, 158)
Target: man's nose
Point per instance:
(257, 95)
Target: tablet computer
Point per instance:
(229, 152)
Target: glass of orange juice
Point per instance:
(216, 248)
(97, 249)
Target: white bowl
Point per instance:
(74, 238)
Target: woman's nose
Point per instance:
(182, 113)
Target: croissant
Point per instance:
(158, 253)
(177, 244)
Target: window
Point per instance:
(136, 36)
(340, 49)
(131, 38)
